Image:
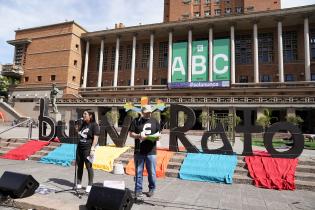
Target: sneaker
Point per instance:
(150, 193)
(79, 186)
(88, 188)
(139, 196)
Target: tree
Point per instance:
(204, 119)
(4, 85)
(113, 117)
(265, 119)
(296, 120)
(133, 114)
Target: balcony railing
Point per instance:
(12, 70)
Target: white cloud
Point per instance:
(91, 14)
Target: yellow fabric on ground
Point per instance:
(106, 155)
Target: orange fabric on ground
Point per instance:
(163, 157)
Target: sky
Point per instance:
(91, 14)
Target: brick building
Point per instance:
(175, 10)
(272, 65)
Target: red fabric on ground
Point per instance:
(26, 150)
(272, 173)
(163, 157)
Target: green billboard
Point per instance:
(221, 60)
(179, 62)
(200, 60)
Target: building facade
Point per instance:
(272, 65)
(175, 10)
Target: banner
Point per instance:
(179, 62)
(221, 60)
(200, 61)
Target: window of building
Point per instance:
(77, 47)
(163, 81)
(239, 10)
(265, 48)
(39, 78)
(289, 46)
(105, 59)
(129, 57)
(26, 79)
(207, 1)
(145, 56)
(186, 1)
(312, 77)
(145, 82)
(121, 58)
(75, 63)
(227, 1)
(19, 51)
(266, 78)
(312, 43)
(163, 55)
(196, 1)
(52, 77)
(73, 79)
(129, 82)
(243, 49)
(228, 10)
(289, 78)
(207, 13)
(112, 63)
(217, 12)
(98, 56)
(217, 1)
(243, 79)
(197, 14)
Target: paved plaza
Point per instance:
(172, 193)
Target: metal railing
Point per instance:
(30, 127)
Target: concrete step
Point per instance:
(35, 157)
(305, 185)
(172, 173)
(306, 168)
(174, 166)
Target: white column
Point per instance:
(100, 67)
(189, 54)
(210, 53)
(170, 56)
(280, 52)
(86, 64)
(232, 54)
(116, 62)
(151, 59)
(133, 61)
(256, 61)
(307, 50)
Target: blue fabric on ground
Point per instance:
(209, 168)
(63, 155)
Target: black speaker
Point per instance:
(104, 198)
(17, 185)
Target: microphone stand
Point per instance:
(75, 140)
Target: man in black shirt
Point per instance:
(145, 150)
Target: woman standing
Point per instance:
(88, 134)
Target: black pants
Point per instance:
(83, 152)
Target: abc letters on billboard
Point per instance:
(179, 62)
(221, 60)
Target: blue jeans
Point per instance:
(150, 163)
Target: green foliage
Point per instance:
(182, 118)
(296, 120)
(113, 117)
(157, 115)
(4, 84)
(265, 119)
(204, 118)
(133, 114)
(167, 114)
